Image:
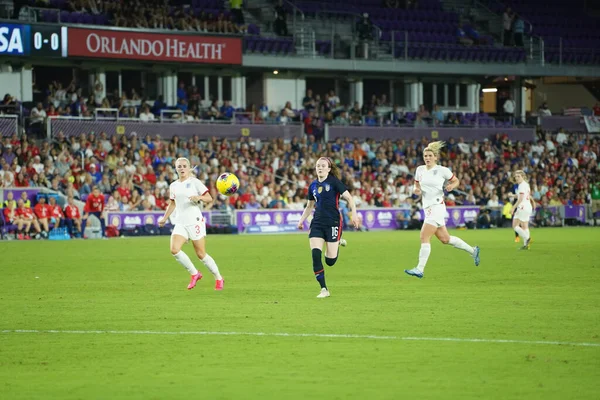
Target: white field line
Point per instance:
(309, 335)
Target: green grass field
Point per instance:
(127, 328)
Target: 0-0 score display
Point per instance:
(48, 41)
(39, 41)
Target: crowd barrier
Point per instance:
(568, 123)
(286, 221)
(166, 130)
(9, 125)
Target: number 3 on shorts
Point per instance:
(197, 227)
(334, 231)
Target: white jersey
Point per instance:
(524, 190)
(186, 212)
(432, 183)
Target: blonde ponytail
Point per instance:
(435, 147)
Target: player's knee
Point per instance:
(201, 254)
(175, 251)
(330, 261)
(445, 239)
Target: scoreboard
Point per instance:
(33, 40)
(40, 40)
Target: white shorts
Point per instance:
(435, 215)
(523, 213)
(190, 232)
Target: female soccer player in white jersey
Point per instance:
(429, 183)
(186, 193)
(523, 208)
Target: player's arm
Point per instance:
(310, 205)
(205, 198)
(519, 201)
(348, 197)
(452, 183)
(417, 188)
(170, 208)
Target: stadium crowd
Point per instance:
(134, 173)
(150, 14)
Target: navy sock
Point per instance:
(318, 267)
(330, 261)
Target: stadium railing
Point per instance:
(241, 127)
(9, 125)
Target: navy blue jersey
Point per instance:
(326, 196)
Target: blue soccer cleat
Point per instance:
(414, 272)
(476, 255)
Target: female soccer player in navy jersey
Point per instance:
(326, 226)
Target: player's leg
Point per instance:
(332, 250)
(78, 225)
(316, 241)
(200, 249)
(102, 223)
(427, 231)
(518, 225)
(526, 234)
(456, 242)
(27, 228)
(36, 226)
(20, 228)
(84, 223)
(44, 224)
(178, 239)
(69, 224)
(332, 244)
(515, 225)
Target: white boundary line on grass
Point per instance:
(311, 335)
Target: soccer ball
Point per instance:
(228, 184)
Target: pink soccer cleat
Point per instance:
(195, 278)
(219, 284)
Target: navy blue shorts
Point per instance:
(328, 233)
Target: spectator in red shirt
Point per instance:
(26, 218)
(10, 213)
(56, 213)
(94, 205)
(150, 176)
(124, 188)
(72, 216)
(42, 212)
(21, 180)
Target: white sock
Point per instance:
(527, 236)
(424, 256)
(460, 244)
(522, 233)
(184, 260)
(212, 267)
